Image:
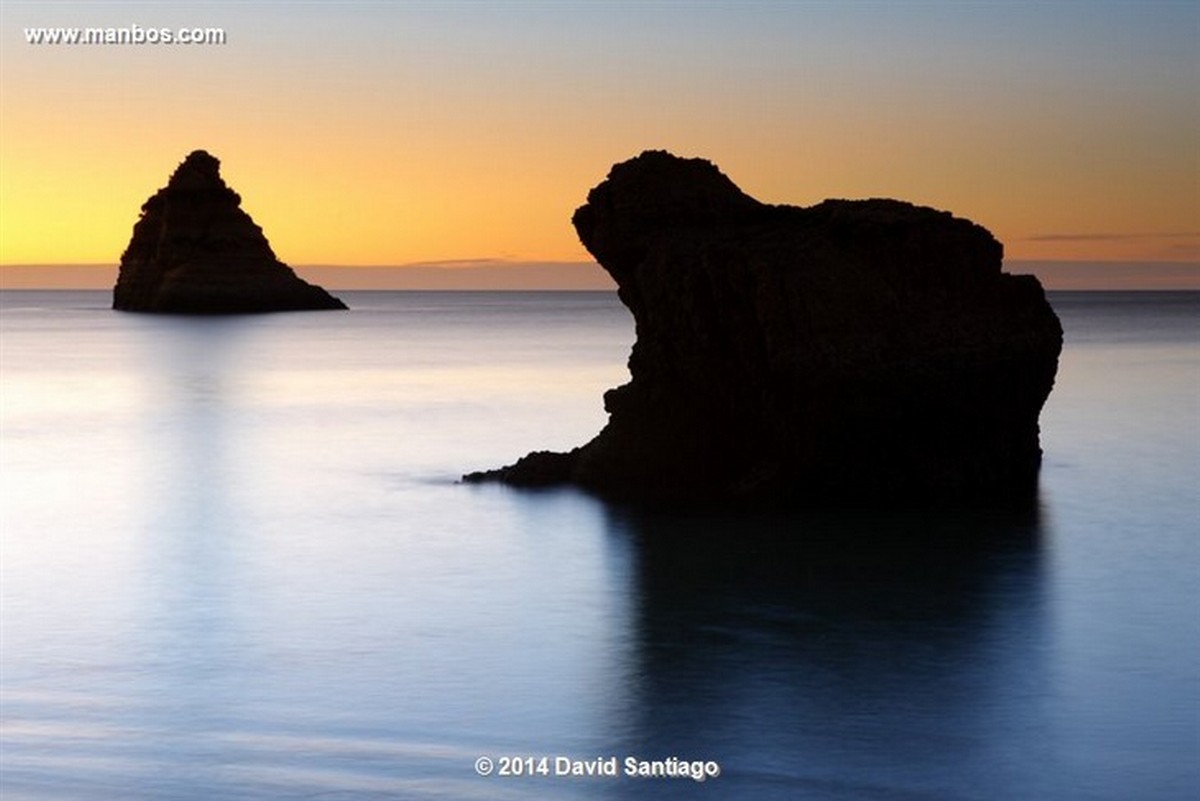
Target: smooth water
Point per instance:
(236, 564)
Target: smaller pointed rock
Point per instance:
(195, 251)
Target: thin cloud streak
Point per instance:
(1110, 237)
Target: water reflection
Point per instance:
(190, 645)
(840, 655)
(194, 367)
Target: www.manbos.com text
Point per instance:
(126, 35)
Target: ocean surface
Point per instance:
(236, 564)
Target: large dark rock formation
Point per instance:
(194, 251)
(866, 349)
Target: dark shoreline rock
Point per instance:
(195, 251)
(867, 350)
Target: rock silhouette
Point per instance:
(864, 350)
(195, 251)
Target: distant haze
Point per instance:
(501, 275)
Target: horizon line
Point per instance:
(506, 274)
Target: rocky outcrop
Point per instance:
(194, 251)
(855, 349)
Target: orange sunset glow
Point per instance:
(410, 134)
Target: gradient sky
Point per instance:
(390, 133)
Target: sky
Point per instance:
(465, 134)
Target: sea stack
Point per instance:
(855, 350)
(194, 251)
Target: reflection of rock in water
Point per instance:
(874, 650)
(195, 528)
(854, 348)
(195, 251)
(904, 566)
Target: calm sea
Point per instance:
(236, 564)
